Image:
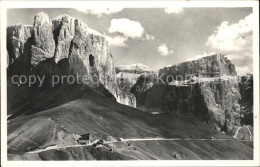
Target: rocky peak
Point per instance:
(72, 24)
(65, 29)
(17, 35)
(40, 19)
(43, 43)
(214, 99)
(65, 45)
(214, 65)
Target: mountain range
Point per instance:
(136, 112)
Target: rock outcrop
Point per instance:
(17, 36)
(214, 100)
(43, 43)
(65, 28)
(246, 101)
(213, 103)
(19, 48)
(63, 46)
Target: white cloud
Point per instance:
(235, 40)
(149, 37)
(100, 10)
(230, 37)
(163, 50)
(117, 40)
(127, 27)
(200, 55)
(171, 10)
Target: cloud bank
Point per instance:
(117, 40)
(126, 29)
(235, 40)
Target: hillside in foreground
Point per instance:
(108, 120)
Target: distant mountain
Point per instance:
(137, 68)
(128, 74)
(206, 89)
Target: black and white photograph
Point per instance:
(114, 83)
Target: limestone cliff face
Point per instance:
(246, 101)
(17, 36)
(64, 29)
(214, 103)
(210, 66)
(213, 100)
(64, 46)
(43, 43)
(18, 47)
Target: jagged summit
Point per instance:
(71, 20)
(41, 18)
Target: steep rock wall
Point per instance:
(213, 100)
(17, 36)
(215, 65)
(42, 37)
(64, 30)
(19, 48)
(246, 101)
(62, 46)
(213, 103)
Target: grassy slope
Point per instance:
(103, 117)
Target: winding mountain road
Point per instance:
(132, 140)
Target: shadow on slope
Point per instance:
(93, 112)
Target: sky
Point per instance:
(159, 37)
